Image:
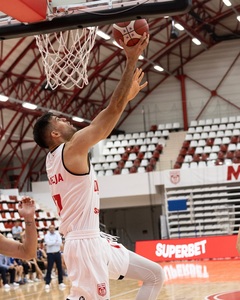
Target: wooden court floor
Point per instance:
(198, 280)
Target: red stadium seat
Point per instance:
(177, 165)
(137, 162)
(191, 151)
(156, 154)
(153, 161)
(186, 144)
(237, 154)
(121, 164)
(159, 148)
(180, 159)
(140, 155)
(221, 155)
(204, 156)
(149, 168)
(133, 169)
(196, 157)
(236, 160)
(117, 171)
(210, 141)
(234, 139)
(229, 154)
(223, 147)
(183, 151)
(124, 156)
(219, 162)
(154, 127)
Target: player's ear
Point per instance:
(55, 134)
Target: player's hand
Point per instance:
(26, 207)
(136, 86)
(135, 51)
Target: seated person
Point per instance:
(41, 257)
(19, 269)
(6, 266)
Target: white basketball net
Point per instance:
(65, 56)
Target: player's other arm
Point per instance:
(27, 249)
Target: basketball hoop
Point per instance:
(65, 56)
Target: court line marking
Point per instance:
(216, 295)
(122, 294)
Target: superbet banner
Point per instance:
(188, 248)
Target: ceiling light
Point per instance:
(141, 57)
(29, 105)
(238, 18)
(3, 98)
(77, 119)
(116, 44)
(179, 27)
(158, 68)
(103, 35)
(227, 2)
(196, 41)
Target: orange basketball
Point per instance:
(130, 32)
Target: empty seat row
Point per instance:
(121, 150)
(200, 164)
(231, 119)
(140, 135)
(212, 134)
(128, 136)
(132, 142)
(169, 126)
(222, 127)
(113, 165)
(140, 141)
(132, 156)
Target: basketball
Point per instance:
(130, 32)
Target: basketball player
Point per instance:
(27, 249)
(91, 258)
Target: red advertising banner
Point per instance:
(188, 248)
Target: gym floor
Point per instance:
(190, 280)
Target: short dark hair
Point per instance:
(40, 130)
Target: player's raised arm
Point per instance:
(126, 90)
(28, 248)
(50, 131)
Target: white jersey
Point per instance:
(76, 196)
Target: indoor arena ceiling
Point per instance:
(22, 77)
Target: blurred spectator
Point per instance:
(41, 257)
(17, 230)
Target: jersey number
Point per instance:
(58, 202)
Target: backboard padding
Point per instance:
(98, 16)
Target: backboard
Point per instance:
(19, 18)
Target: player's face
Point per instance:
(63, 126)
